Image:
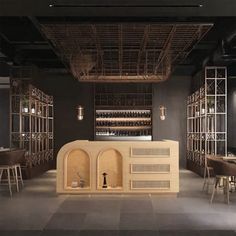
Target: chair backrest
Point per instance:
(229, 168)
(208, 158)
(219, 166)
(16, 156)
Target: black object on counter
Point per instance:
(104, 180)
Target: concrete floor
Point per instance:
(37, 210)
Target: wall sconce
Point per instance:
(80, 112)
(162, 112)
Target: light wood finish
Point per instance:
(116, 158)
(77, 168)
(110, 162)
(226, 183)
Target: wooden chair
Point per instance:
(11, 178)
(221, 174)
(10, 168)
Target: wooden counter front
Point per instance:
(130, 167)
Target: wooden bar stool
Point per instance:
(10, 168)
(225, 179)
(13, 176)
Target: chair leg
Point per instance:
(204, 181)
(1, 171)
(224, 186)
(20, 176)
(12, 171)
(208, 179)
(16, 177)
(9, 181)
(232, 184)
(227, 189)
(214, 189)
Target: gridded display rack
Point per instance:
(31, 121)
(207, 119)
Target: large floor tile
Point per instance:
(38, 207)
(136, 206)
(20, 232)
(90, 205)
(99, 233)
(24, 221)
(138, 233)
(212, 221)
(102, 221)
(66, 221)
(107, 206)
(173, 222)
(137, 221)
(60, 233)
(73, 206)
(197, 233)
(172, 205)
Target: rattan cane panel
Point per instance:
(150, 152)
(150, 184)
(150, 168)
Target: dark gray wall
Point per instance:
(231, 113)
(4, 118)
(173, 95)
(212, 8)
(68, 94)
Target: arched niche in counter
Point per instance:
(110, 162)
(77, 169)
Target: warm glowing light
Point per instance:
(80, 114)
(162, 112)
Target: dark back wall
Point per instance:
(4, 118)
(173, 95)
(231, 113)
(68, 93)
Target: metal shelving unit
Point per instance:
(207, 119)
(31, 120)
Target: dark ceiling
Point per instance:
(23, 42)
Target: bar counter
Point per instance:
(118, 167)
